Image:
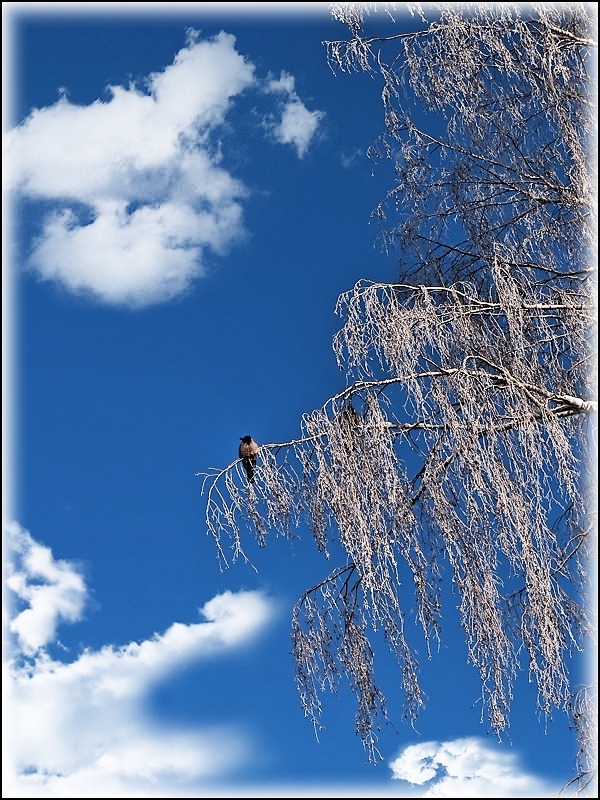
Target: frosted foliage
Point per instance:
(584, 709)
(513, 165)
(457, 457)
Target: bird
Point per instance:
(248, 451)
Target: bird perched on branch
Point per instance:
(248, 452)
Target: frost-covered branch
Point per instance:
(459, 448)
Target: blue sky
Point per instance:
(186, 195)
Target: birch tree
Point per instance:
(459, 449)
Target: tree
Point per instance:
(460, 448)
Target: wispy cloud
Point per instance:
(82, 728)
(468, 767)
(296, 125)
(138, 192)
(348, 159)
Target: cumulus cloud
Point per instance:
(53, 590)
(82, 728)
(467, 767)
(139, 197)
(296, 124)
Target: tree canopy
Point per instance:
(460, 447)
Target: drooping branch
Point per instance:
(344, 479)
(509, 162)
(584, 715)
(459, 448)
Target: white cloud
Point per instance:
(128, 147)
(54, 591)
(139, 197)
(284, 84)
(467, 767)
(150, 255)
(297, 125)
(81, 728)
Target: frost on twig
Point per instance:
(435, 466)
(459, 448)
